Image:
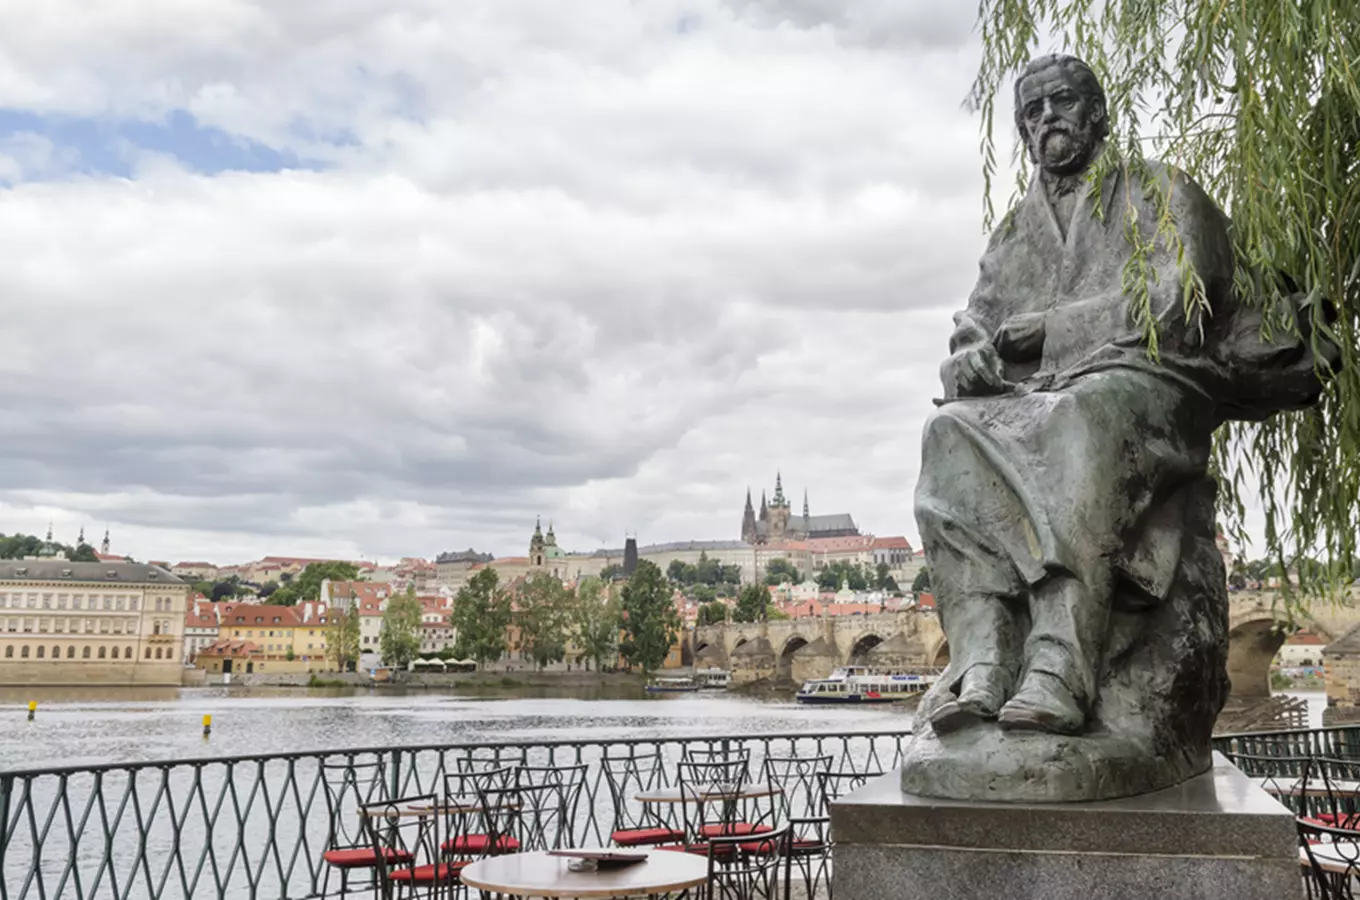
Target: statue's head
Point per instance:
(1060, 111)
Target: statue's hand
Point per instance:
(974, 372)
(1021, 338)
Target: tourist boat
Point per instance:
(681, 684)
(712, 679)
(863, 684)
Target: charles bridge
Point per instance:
(810, 647)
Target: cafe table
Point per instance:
(543, 875)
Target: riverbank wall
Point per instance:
(436, 680)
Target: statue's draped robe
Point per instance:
(1089, 466)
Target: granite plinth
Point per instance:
(1216, 835)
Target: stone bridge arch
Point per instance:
(860, 649)
(783, 669)
(1253, 641)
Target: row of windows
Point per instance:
(104, 652)
(72, 626)
(117, 602)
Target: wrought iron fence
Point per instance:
(256, 826)
(1340, 741)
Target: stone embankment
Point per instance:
(460, 681)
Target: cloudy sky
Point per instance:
(388, 277)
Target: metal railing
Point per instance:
(257, 826)
(1340, 741)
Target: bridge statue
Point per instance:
(1064, 503)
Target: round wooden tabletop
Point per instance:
(541, 875)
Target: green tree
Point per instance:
(883, 580)
(650, 622)
(597, 616)
(921, 583)
(481, 614)
(712, 613)
(543, 614)
(703, 593)
(842, 571)
(84, 553)
(342, 637)
(681, 572)
(307, 584)
(781, 571)
(1260, 104)
(752, 603)
(399, 640)
(611, 572)
(268, 589)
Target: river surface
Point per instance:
(88, 726)
(84, 726)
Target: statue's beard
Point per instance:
(1063, 150)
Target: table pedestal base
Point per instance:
(1215, 836)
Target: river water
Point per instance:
(83, 726)
(88, 726)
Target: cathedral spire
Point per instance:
(805, 504)
(779, 491)
(80, 540)
(104, 545)
(764, 508)
(49, 532)
(748, 521)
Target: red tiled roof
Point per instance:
(892, 543)
(1305, 639)
(226, 647)
(196, 565)
(243, 616)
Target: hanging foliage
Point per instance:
(1258, 101)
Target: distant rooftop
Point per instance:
(65, 570)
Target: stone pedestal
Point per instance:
(1214, 836)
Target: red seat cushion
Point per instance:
(637, 837)
(733, 829)
(426, 874)
(362, 857)
(799, 847)
(477, 843)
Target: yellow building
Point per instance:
(258, 638)
(64, 622)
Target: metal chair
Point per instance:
(740, 868)
(809, 846)
(467, 832)
(350, 785)
(638, 824)
(406, 831)
(810, 843)
(1330, 860)
(708, 786)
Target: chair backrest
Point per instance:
(485, 759)
(745, 868)
(405, 834)
(798, 776)
(553, 795)
(350, 783)
(463, 812)
(630, 775)
(1332, 860)
(717, 754)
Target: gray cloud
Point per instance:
(605, 262)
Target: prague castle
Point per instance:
(776, 523)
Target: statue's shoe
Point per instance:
(981, 696)
(1043, 703)
(960, 713)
